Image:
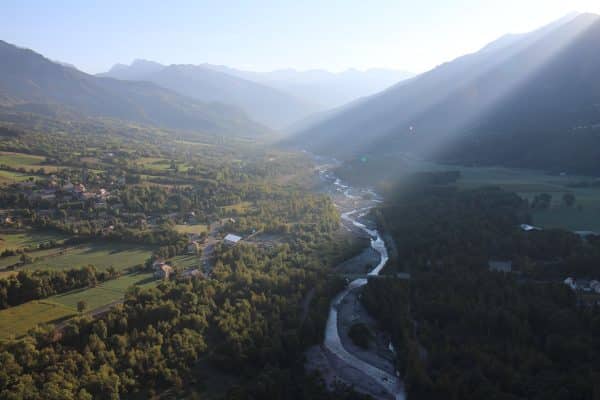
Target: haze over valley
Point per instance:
(316, 200)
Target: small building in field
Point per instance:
(162, 270)
(528, 228)
(231, 239)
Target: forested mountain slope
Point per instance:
(529, 100)
(31, 82)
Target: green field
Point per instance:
(27, 161)
(160, 164)
(10, 177)
(103, 294)
(16, 321)
(186, 261)
(192, 228)
(584, 215)
(240, 207)
(99, 254)
(26, 238)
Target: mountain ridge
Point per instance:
(28, 78)
(265, 104)
(458, 111)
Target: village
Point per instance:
(94, 209)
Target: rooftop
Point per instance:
(230, 237)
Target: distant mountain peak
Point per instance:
(134, 71)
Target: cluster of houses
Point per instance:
(583, 285)
(68, 192)
(164, 271)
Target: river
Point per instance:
(390, 383)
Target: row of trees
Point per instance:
(33, 285)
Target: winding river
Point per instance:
(390, 383)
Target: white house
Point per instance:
(527, 228)
(583, 285)
(231, 239)
(570, 282)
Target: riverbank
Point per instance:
(371, 370)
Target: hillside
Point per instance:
(263, 103)
(31, 82)
(528, 100)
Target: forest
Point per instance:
(464, 331)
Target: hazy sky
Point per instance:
(264, 35)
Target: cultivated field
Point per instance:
(186, 261)
(16, 321)
(10, 177)
(103, 294)
(584, 215)
(191, 228)
(15, 239)
(27, 161)
(101, 255)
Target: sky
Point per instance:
(264, 35)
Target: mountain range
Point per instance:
(263, 103)
(30, 82)
(528, 100)
(278, 98)
(327, 89)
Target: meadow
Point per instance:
(102, 255)
(27, 161)
(191, 228)
(584, 215)
(160, 164)
(186, 261)
(10, 177)
(16, 321)
(106, 293)
(15, 239)
(239, 208)
(99, 254)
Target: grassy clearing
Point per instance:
(9, 177)
(240, 207)
(186, 261)
(27, 161)
(160, 164)
(585, 215)
(17, 160)
(192, 228)
(99, 254)
(27, 238)
(16, 321)
(103, 294)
